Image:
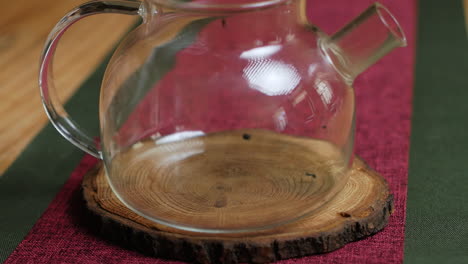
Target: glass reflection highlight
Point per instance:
(269, 76)
(260, 52)
(324, 90)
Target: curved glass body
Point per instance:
(233, 117)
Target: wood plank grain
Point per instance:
(465, 7)
(24, 26)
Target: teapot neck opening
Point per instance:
(221, 6)
(363, 41)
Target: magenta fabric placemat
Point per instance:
(383, 127)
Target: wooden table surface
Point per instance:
(24, 26)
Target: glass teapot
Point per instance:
(225, 116)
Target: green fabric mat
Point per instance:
(437, 209)
(32, 181)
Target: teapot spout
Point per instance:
(363, 41)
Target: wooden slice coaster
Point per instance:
(361, 209)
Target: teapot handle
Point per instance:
(53, 107)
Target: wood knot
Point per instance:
(344, 214)
(220, 202)
(222, 187)
(246, 136)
